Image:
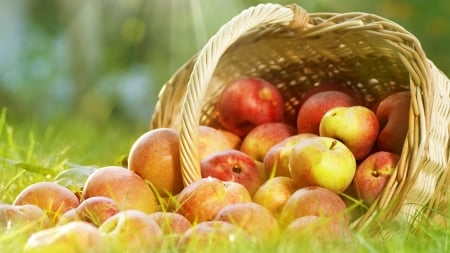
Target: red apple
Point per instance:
(232, 165)
(211, 140)
(312, 110)
(261, 138)
(393, 115)
(248, 102)
(356, 126)
(131, 231)
(202, 199)
(373, 173)
(276, 160)
(322, 161)
(53, 198)
(274, 193)
(73, 237)
(313, 200)
(97, 209)
(125, 187)
(212, 236)
(155, 156)
(253, 218)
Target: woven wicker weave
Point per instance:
(296, 50)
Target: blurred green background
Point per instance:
(105, 61)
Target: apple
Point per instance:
(212, 236)
(97, 209)
(171, 222)
(253, 218)
(314, 231)
(233, 139)
(73, 237)
(155, 156)
(125, 187)
(131, 231)
(247, 102)
(232, 165)
(202, 199)
(373, 173)
(68, 216)
(274, 193)
(314, 108)
(322, 161)
(211, 140)
(393, 115)
(356, 126)
(51, 197)
(313, 200)
(29, 218)
(262, 137)
(276, 160)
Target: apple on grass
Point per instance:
(28, 218)
(51, 197)
(125, 187)
(202, 199)
(97, 209)
(276, 160)
(274, 193)
(314, 231)
(213, 236)
(171, 222)
(314, 108)
(314, 200)
(155, 157)
(373, 173)
(131, 231)
(232, 165)
(356, 126)
(393, 115)
(73, 237)
(248, 102)
(253, 218)
(261, 138)
(322, 161)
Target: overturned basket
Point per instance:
(296, 50)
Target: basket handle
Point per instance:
(206, 62)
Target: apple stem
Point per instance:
(333, 143)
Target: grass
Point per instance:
(66, 149)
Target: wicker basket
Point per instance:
(296, 50)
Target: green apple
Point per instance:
(322, 161)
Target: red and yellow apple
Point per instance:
(322, 161)
(125, 187)
(393, 115)
(373, 173)
(248, 102)
(155, 157)
(51, 197)
(28, 218)
(232, 165)
(274, 193)
(313, 200)
(73, 237)
(211, 140)
(276, 160)
(262, 137)
(253, 218)
(202, 199)
(171, 222)
(356, 126)
(233, 139)
(314, 108)
(97, 209)
(131, 231)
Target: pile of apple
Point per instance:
(265, 178)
